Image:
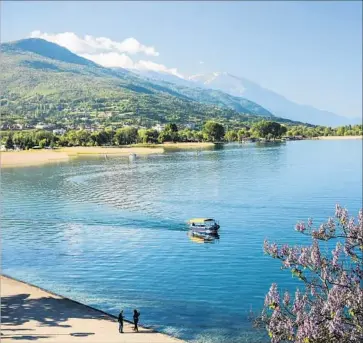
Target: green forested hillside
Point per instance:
(219, 98)
(43, 82)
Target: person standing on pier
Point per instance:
(121, 322)
(136, 320)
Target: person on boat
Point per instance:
(136, 320)
(121, 322)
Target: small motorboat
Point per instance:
(207, 225)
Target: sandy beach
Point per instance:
(177, 145)
(26, 158)
(339, 137)
(76, 151)
(190, 145)
(39, 157)
(30, 314)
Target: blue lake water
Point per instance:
(111, 233)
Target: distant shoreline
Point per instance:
(339, 137)
(27, 158)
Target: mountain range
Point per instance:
(273, 102)
(44, 80)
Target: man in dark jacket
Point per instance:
(121, 322)
(136, 320)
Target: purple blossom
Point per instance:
(331, 224)
(315, 255)
(272, 298)
(341, 214)
(313, 290)
(310, 222)
(284, 250)
(300, 227)
(335, 254)
(303, 259)
(360, 217)
(329, 309)
(286, 300)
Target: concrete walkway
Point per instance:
(29, 314)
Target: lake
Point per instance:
(111, 232)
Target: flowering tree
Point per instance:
(330, 307)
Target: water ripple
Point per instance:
(112, 233)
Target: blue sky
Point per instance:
(310, 52)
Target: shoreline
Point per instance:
(42, 314)
(28, 158)
(38, 157)
(190, 145)
(339, 137)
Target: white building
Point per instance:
(159, 127)
(59, 131)
(40, 126)
(190, 126)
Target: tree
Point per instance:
(271, 129)
(213, 131)
(171, 127)
(147, 136)
(330, 307)
(97, 138)
(126, 135)
(9, 142)
(243, 133)
(82, 137)
(260, 129)
(231, 136)
(43, 143)
(44, 136)
(170, 133)
(186, 135)
(341, 131)
(164, 136)
(199, 136)
(328, 131)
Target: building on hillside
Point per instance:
(43, 126)
(18, 127)
(190, 126)
(40, 126)
(159, 127)
(5, 126)
(59, 132)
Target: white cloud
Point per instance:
(106, 52)
(201, 62)
(89, 44)
(149, 65)
(111, 59)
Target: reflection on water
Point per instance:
(203, 238)
(112, 232)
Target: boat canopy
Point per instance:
(201, 220)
